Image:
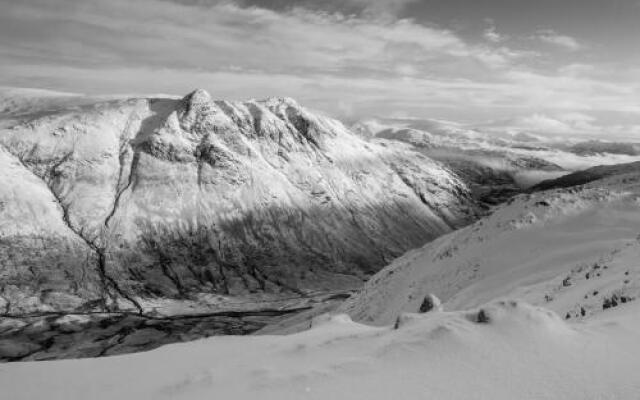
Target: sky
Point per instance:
(563, 65)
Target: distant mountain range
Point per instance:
(496, 164)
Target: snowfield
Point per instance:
(572, 250)
(509, 351)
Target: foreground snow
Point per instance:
(521, 352)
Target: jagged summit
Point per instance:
(201, 97)
(199, 114)
(198, 96)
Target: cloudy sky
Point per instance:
(565, 65)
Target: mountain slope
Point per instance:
(33, 234)
(586, 176)
(573, 250)
(201, 201)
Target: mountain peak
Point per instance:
(198, 96)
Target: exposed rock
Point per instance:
(10, 350)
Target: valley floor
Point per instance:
(55, 336)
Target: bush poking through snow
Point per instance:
(430, 303)
(483, 317)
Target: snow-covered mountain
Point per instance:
(495, 164)
(162, 205)
(573, 250)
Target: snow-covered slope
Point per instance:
(506, 350)
(573, 250)
(200, 201)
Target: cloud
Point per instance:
(371, 8)
(349, 65)
(554, 38)
(537, 124)
(561, 126)
(566, 123)
(382, 6)
(491, 33)
(225, 36)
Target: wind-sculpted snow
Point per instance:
(572, 250)
(188, 199)
(502, 350)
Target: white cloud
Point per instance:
(552, 37)
(561, 126)
(346, 65)
(225, 36)
(561, 123)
